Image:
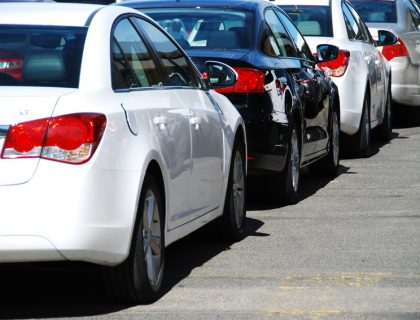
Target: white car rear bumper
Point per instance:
(405, 82)
(83, 213)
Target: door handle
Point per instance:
(195, 121)
(161, 122)
(367, 59)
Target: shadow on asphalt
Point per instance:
(405, 117)
(50, 290)
(309, 185)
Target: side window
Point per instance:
(297, 37)
(175, 64)
(415, 14)
(279, 40)
(364, 30)
(353, 29)
(132, 65)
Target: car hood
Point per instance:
(22, 104)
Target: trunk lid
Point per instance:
(230, 57)
(412, 42)
(313, 42)
(22, 104)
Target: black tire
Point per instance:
(234, 213)
(329, 164)
(136, 280)
(284, 187)
(385, 128)
(360, 143)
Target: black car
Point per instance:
(290, 107)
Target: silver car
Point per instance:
(403, 18)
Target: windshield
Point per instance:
(311, 20)
(376, 11)
(41, 56)
(205, 28)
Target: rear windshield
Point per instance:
(198, 28)
(311, 20)
(376, 10)
(41, 56)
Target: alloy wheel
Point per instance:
(335, 139)
(295, 161)
(238, 192)
(366, 126)
(152, 243)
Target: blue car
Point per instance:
(290, 107)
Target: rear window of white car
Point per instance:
(376, 11)
(41, 56)
(311, 20)
(206, 28)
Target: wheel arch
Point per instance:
(154, 169)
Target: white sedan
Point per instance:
(112, 146)
(403, 18)
(361, 73)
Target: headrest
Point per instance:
(377, 16)
(44, 65)
(309, 28)
(223, 40)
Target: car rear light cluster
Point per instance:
(249, 80)
(71, 138)
(338, 66)
(396, 50)
(12, 67)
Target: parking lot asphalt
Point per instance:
(350, 249)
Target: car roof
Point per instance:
(248, 4)
(47, 13)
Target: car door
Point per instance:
(301, 71)
(358, 35)
(380, 95)
(139, 86)
(317, 91)
(205, 188)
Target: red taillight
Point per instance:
(12, 67)
(396, 50)
(249, 80)
(338, 66)
(69, 138)
(26, 139)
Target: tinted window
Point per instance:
(278, 39)
(415, 13)
(311, 20)
(41, 56)
(132, 65)
(376, 11)
(175, 64)
(353, 28)
(297, 37)
(205, 27)
(364, 29)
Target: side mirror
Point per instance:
(386, 38)
(219, 75)
(326, 52)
